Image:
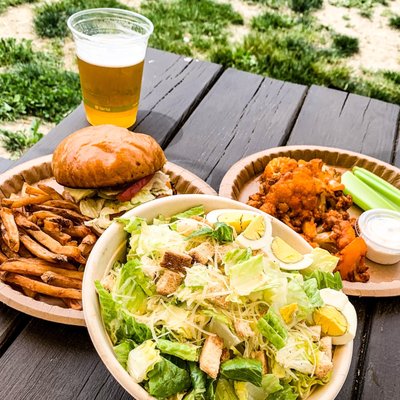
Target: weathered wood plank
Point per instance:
(339, 119)
(354, 379)
(243, 113)
(172, 86)
(5, 164)
(11, 322)
(49, 361)
(383, 356)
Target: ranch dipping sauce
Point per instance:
(381, 231)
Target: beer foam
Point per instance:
(111, 51)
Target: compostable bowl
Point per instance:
(111, 247)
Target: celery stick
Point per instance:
(384, 188)
(363, 195)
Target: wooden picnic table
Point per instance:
(207, 118)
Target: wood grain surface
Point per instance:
(339, 119)
(242, 113)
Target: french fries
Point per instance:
(44, 244)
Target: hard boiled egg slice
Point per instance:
(237, 219)
(254, 229)
(286, 256)
(337, 317)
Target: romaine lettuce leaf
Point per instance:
(167, 379)
(247, 276)
(248, 391)
(198, 210)
(272, 328)
(132, 225)
(236, 256)
(142, 359)
(322, 261)
(224, 391)
(109, 311)
(199, 381)
(155, 239)
(122, 351)
(286, 393)
(129, 328)
(270, 384)
(222, 330)
(197, 276)
(211, 389)
(185, 351)
(132, 287)
(242, 369)
(326, 279)
(296, 294)
(312, 291)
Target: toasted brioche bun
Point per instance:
(105, 156)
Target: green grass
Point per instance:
(4, 4)
(299, 50)
(366, 7)
(192, 26)
(345, 45)
(305, 5)
(40, 89)
(16, 143)
(13, 52)
(394, 21)
(51, 18)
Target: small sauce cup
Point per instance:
(381, 231)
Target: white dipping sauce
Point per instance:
(381, 231)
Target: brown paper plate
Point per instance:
(39, 170)
(242, 180)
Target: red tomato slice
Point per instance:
(128, 193)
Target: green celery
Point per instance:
(363, 195)
(384, 188)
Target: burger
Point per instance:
(108, 170)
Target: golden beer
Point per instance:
(110, 48)
(110, 93)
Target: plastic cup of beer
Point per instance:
(110, 47)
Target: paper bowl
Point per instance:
(111, 247)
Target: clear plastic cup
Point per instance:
(110, 47)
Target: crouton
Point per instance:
(168, 283)
(176, 261)
(260, 355)
(324, 365)
(316, 332)
(219, 301)
(226, 355)
(210, 357)
(325, 345)
(203, 253)
(243, 329)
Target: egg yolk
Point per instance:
(331, 320)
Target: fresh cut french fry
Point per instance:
(25, 201)
(50, 191)
(21, 266)
(11, 227)
(41, 287)
(40, 251)
(54, 246)
(52, 278)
